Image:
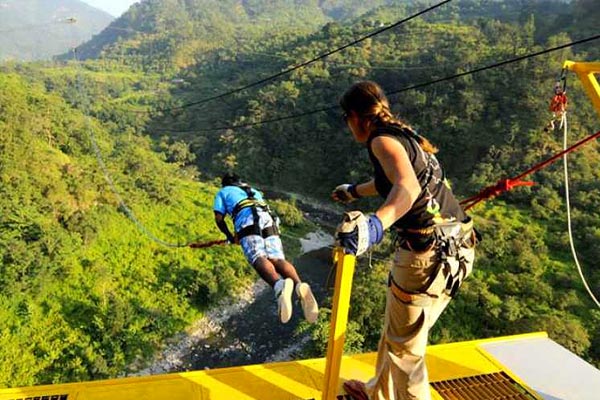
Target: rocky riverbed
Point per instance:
(246, 330)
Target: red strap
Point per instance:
(197, 245)
(501, 186)
(507, 184)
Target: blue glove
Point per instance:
(357, 233)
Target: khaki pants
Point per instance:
(401, 373)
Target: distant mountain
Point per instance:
(40, 29)
(161, 33)
(165, 35)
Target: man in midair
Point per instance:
(256, 230)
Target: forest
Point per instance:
(109, 158)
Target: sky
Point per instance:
(113, 7)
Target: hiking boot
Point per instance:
(308, 302)
(283, 293)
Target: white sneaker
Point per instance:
(308, 302)
(283, 292)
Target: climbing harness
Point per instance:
(255, 205)
(446, 239)
(450, 237)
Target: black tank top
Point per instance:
(436, 202)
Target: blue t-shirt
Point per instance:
(228, 197)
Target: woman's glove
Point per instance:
(357, 233)
(345, 193)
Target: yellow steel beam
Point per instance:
(586, 72)
(344, 265)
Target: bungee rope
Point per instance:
(558, 107)
(123, 207)
(568, 206)
(503, 185)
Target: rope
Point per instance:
(198, 245)
(503, 185)
(508, 184)
(571, 241)
(394, 92)
(304, 64)
(122, 204)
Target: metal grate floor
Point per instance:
(496, 386)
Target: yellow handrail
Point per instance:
(339, 319)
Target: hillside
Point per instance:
(39, 30)
(443, 45)
(488, 125)
(84, 291)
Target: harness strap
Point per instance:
(251, 230)
(406, 296)
(254, 229)
(448, 238)
(245, 203)
(428, 230)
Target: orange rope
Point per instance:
(198, 245)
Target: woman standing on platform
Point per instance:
(434, 240)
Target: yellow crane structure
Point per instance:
(521, 367)
(586, 71)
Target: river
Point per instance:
(254, 334)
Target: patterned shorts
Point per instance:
(255, 246)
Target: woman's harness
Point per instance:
(446, 238)
(254, 205)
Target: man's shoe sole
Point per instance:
(309, 303)
(284, 301)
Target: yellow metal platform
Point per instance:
(284, 380)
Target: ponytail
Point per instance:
(368, 100)
(382, 115)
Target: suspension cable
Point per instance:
(393, 92)
(306, 63)
(35, 26)
(499, 64)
